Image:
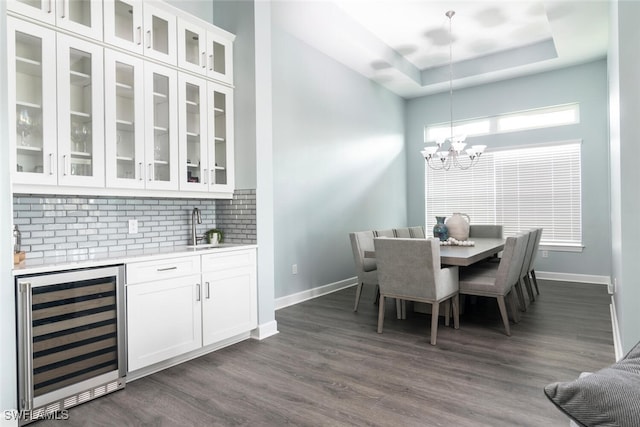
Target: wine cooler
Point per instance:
(71, 338)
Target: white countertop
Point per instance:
(47, 265)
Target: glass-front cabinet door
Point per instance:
(161, 127)
(159, 34)
(124, 120)
(220, 55)
(123, 25)
(80, 16)
(80, 113)
(32, 103)
(192, 104)
(220, 135)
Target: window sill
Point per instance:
(560, 248)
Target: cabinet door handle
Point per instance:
(25, 288)
(210, 62)
(207, 290)
(64, 165)
(204, 60)
(167, 268)
(51, 164)
(140, 170)
(150, 172)
(211, 179)
(65, 6)
(197, 291)
(148, 39)
(50, 9)
(139, 37)
(204, 176)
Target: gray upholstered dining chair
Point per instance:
(366, 269)
(385, 233)
(526, 266)
(485, 230)
(403, 232)
(498, 280)
(417, 232)
(409, 269)
(534, 253)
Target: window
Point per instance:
(557, 115)
(520, 188)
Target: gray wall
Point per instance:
(624, 100)
(586, 84)
(339, 162)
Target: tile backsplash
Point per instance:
(77, 225)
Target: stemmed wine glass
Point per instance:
(80, 133)
(24, 124)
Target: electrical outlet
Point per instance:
(545, 254)
(294, 269)
(133, 226)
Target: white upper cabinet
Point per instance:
(32, 102)
(124, 120)
(161, 127)
(123, 24)
(192, 104)
(221, 138)
(80, 112)
(159, 38)
(80, 16)
(205, 50)
(142, 27)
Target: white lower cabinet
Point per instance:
(229, 304)
(174, 306)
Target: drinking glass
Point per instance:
(24, 124)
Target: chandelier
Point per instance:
(439, 157)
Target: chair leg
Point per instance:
(456, 311)
(358, 292)
(503, 313)
(513, 303)
(399, 308)
(521, 301)
(435, 309)
(527, 284)
(381, 314)
(535, 281)
(404, 309)
(447, 311)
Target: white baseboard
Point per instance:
(292, 299)
(265, 330)
(617, 340)
(571, 277)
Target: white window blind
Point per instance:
(519, 188)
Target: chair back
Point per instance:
(403, 232)
(385, 233)
(362, 241)
(417, 232)
(511, 263)
(528, 254)
(485, 230)
(536, 246)
(408, 267)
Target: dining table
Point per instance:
(463, 256)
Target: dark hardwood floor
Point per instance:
(329, 367)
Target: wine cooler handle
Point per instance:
(27, 334)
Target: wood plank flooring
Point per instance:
(329, 367)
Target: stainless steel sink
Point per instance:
(205, 246)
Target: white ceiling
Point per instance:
(404, 44)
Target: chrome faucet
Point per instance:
(195, 216)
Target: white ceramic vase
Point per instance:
(458, 225)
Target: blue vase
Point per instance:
(440, 230)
